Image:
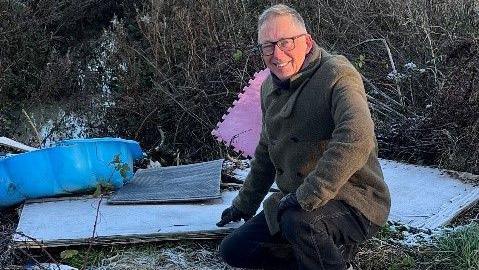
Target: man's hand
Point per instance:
(288, 201)
(232, 214)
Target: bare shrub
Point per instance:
(193, 58)
(46, 49)
(183, 72)
(174, 67)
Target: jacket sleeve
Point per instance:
(350, 145)
(260, 178)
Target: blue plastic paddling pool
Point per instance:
(69, 166)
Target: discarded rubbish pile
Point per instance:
(165, 203)
(41, 176)
(192, 193)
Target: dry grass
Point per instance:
(178, 256)
(8, 221)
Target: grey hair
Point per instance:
(281, 10)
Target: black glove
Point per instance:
(232, 214)
(288, 201)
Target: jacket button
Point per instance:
(294, 139)
(309, 207)
(300, 175)
(279, 171)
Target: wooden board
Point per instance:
(72, 221)
(16, 145)
(425, 197)
(422, 197)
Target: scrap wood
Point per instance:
(71, 222)
(444, 198)
(125, 240)
(16, 145)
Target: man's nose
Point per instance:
(277, 52)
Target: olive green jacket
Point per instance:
(317, 140)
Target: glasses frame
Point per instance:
(275, 44)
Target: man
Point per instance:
(318, 144)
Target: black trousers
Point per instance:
(308, 240)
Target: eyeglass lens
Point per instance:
(286, 44)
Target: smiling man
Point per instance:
(317, 142)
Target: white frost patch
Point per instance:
(241, 174)
(410, 66)
(145, 19)
(50, 266)
(175, 256)
(74, 124)
(130, 260)
(395, 76)
(413, 237)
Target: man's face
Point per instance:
(284, 64)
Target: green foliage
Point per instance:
(385, 232)
(402, 263)
(120, 166)
(359, 61)
(76, 258)
(68, 254)
(459, 250)
(103, 187)
(237, 55)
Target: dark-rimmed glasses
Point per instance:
(284, 44)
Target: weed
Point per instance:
(459, 249)
(121, 167)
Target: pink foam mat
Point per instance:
(240, 127)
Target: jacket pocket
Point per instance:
(316, 151)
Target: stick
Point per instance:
(85, 259)
(143, 122)
(228, 156)
(377, 90)
(33, 126)
(391, 60)
(40, 245)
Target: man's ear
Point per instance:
(309, 43)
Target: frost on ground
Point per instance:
(203, 255)
(190, 255)
(407, 236)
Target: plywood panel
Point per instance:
(71, 222)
